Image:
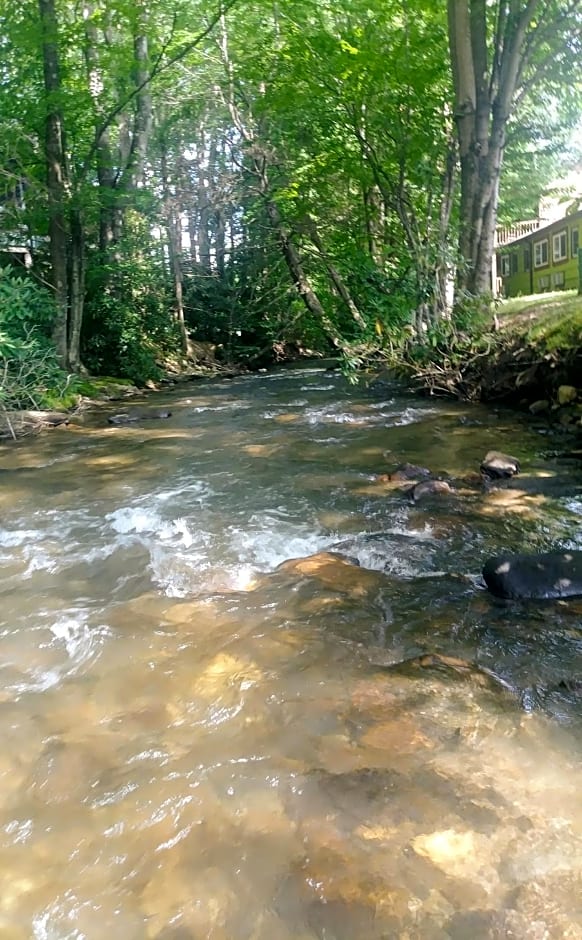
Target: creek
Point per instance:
(200, 741)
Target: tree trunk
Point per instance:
(103, 149)
(57, 174)
(334, 275)
(174, 230)
(204, 212)
(484, 94)
(298, 276)
(142, 122)
(76, 289)
(220, 246)
(374, 222)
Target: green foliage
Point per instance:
(348, 107)
(30, 376)
(24, 306)
(128, 325)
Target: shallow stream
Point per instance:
(200, 741)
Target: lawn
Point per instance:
(555, 319)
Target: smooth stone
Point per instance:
(430, 488)
(539, 407)
(536, 577)
(498, 465)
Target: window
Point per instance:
(514, 264)
(575, 240)
(540, 253)
(526, 258)
(544, 282)
(558, 279)
(505, 266)
(560, 246)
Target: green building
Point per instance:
(533, 257)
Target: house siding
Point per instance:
(551, 275)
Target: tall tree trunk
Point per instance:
(444, 275)
(76, 289)
(189, 205)
(374, 218)
(485, 90)
(204, 209)
(297, 272)
(57, 173)
(118, 184)
(142, 122)
(174, 230)
(103, 148)
(220, 236)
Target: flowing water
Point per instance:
(200, 741)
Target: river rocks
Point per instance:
(430, 488)
(453, 668)
(408, 472)
(460, 854)
(539, 407)
(498, 466)
(135, 416)
(536, 577)
(566, 394)
(563, 406)
(335, 572)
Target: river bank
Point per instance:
(92, 392)
(530, 360)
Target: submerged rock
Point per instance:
(452, 668)
(430, 488)
(409, 472)
(126, 418)
(497, 465)
(536, 577)
(334, 571)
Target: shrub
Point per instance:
(30, 376)
(128, 322)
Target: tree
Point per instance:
(57, 172)
(499, 52)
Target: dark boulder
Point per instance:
(498, 466)
(535, 577)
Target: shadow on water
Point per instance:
(249, 689)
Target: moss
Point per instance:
(53, 401)
(102, 387)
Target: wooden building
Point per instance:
(533, 257)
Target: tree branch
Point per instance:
(158, 67)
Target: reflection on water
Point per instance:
(204, 738)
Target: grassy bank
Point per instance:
(520, 356)
(552, 320)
